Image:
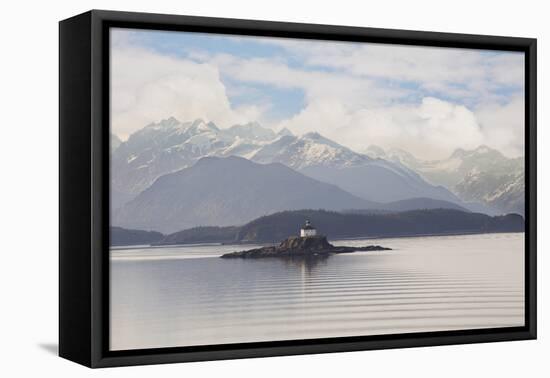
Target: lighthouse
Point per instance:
(308, 230)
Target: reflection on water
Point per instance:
(306, 264)
(183, 296)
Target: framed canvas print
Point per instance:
(234, 188)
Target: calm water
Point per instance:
(184, 296)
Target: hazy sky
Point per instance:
(428, 101)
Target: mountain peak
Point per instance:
(458, 153)
(199, 126)
(483, 149)
(318, 138)
(313, 135)
(168, 122)
(197, 122)
(284, 132)
(212, 125)
(310, 149)
(375, 151)
(252, 131)
(480, 150)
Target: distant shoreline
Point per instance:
(404, 236)
(151, 246)
(276, 227)
(400, 236)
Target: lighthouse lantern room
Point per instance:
(308, 230)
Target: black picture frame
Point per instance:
(84, 187)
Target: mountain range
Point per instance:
(173, 175)
(228, 191)
(325, 160)
(232, 191)
(169, 145)
(483, 175)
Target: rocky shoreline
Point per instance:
(301, 247)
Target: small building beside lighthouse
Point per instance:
(308, 230)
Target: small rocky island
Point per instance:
(308, 244)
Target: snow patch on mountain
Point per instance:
(311, 149)
(170, 145)
(481, 175)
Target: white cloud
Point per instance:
(508, 69)
(147, 87)
(431, 129)
(465, 75)
(353, 107)
(504, 126)
(317, 86)
(355, 94)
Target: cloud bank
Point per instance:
(428, 101)
(147, 87)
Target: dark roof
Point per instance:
(308, 227)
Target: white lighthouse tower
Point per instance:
(308, 230)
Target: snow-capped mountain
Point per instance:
(505, 192)
(171, 145)
(325, 160)
(311, 149)
(481, 175)
(251, 131)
